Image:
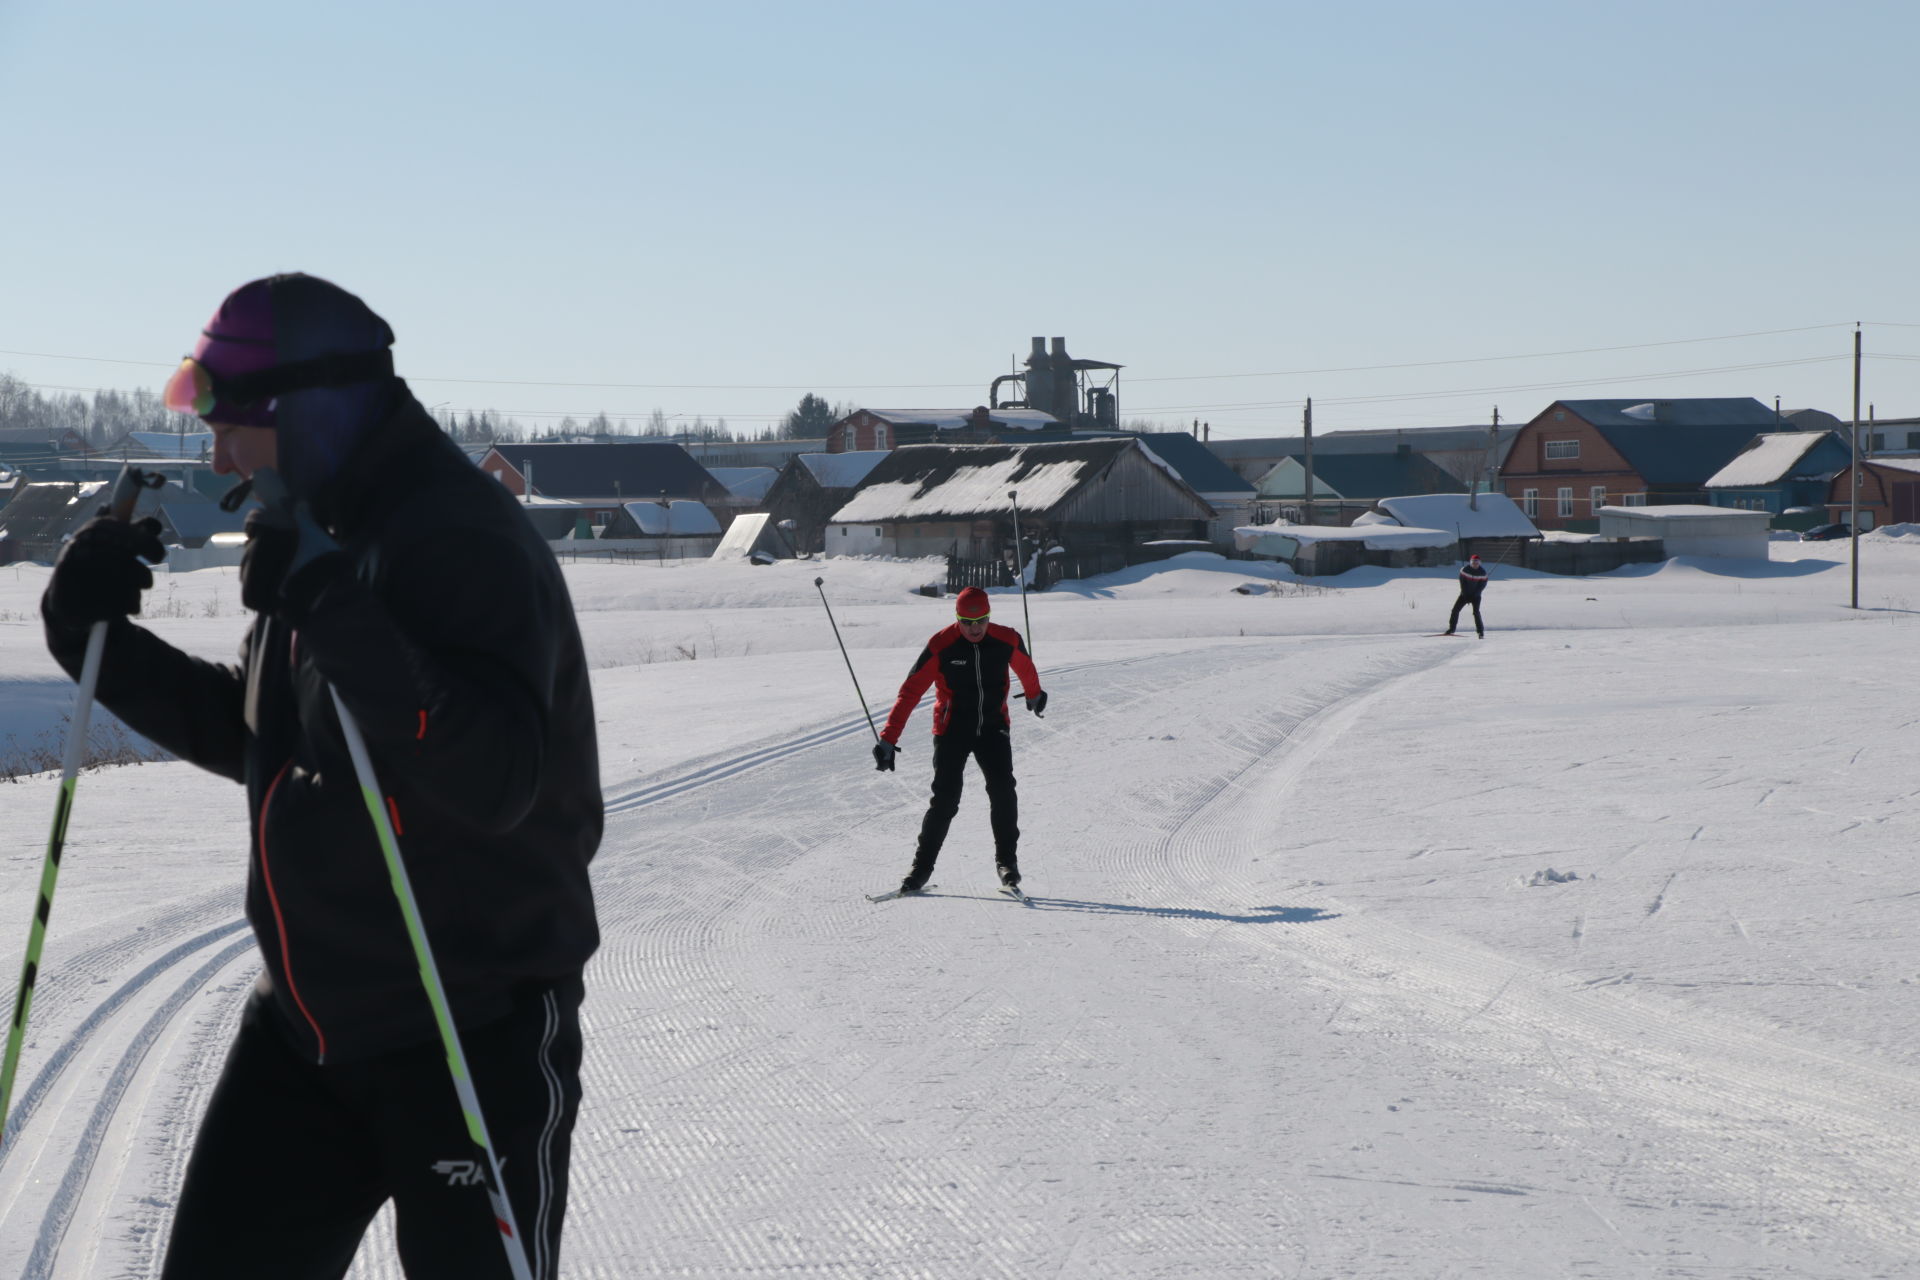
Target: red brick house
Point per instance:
(1577, 456)
(866, 429)
(1889, 493)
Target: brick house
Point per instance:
(1889, 493)
(866, 429)
(1577, 456)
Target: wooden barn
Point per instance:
(1088, 502)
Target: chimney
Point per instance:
(1066, 387)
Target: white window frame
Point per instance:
(1530, 502)
(1568, 450)
(1565, 501)
(1597, 497)
(1633, 499)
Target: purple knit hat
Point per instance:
(300, 355)
(239, 339)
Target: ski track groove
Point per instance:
(73, 1182)
(918, 1124)
(1781, 1123)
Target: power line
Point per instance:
(944, 386)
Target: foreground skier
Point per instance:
(411, 583)
(968, 665)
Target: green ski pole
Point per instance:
(488, 1162)
(120, 503)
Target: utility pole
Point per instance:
(1493, 453)
(1307, 421)
(1853, 502)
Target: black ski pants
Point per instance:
(1467, 598)
(951, 751)
(293, 1160)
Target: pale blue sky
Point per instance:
(725, 205)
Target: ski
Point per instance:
(899, 893)
(1013, 891)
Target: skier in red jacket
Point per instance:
(968, 665)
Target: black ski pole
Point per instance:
(843, 655)
(120, 503)
(1013, 496)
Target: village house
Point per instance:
(1782, 472)
(890, 428)
(602, 478)
(1346, 485)
(1577, 456)
(1889, 493)
(811, 488)
(1085, 506)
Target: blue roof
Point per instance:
(1706, 412)
(1383, 475)
(1199, 466)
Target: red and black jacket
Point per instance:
(1473, 580)
(970, 682)
(452, 641)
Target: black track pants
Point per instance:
(293, 1160)
(994, 750)
(1465, 600)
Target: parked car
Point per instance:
(1826, 533)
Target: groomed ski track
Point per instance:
(1164, 1067)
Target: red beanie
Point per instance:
(973, 603)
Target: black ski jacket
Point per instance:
(1473, 580)
(970, 682)
(453, 643)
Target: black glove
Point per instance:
(289, 558)
(1038, 703)
(98, 576)
(883, 754)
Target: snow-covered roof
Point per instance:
(1898, 464)
(1489, 515)
(842, 470)
(1681, 512)
(749, 484)
(1271, 539)
(936, 482)
(1771, 456)
(681, 518)
(168, 445)
(954, 419)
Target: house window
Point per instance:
(1877, 442)
(1598, 497)
(1866, 519)
(1559, 415)
(1566, 502)
(1561, 450)
(1633, 499)
(1530, 501)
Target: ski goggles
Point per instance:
(195, 389)
(971, 622)
(191, 389)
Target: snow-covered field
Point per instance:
(1583, 951)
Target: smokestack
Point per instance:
(1066, 387)
(1039, 377)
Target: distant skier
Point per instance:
(968, 664)
(1473, 581)
(402, 578)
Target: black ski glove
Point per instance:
(289, 559)
(1038, 703)
(99, 575)
(883, 754)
